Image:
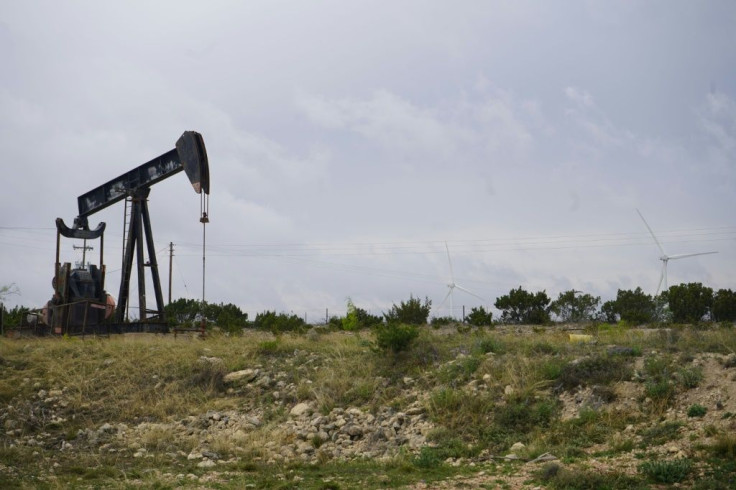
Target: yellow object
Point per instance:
(578, 337)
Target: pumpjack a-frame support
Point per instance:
(139, 229)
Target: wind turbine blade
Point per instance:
(469, 292)
(452, 274)
(445, 299)
(652, 233)
(682, 256)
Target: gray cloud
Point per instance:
(349, 141)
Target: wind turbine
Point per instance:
(452, 285)
(666, 258)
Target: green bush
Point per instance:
(278, 323)
(696, 410)
(599, 370)
(661, 391)
(395, 337)
(479, 317)
(411, 312)
(690, 377)
(673, 471)
(442, 321)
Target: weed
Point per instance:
(660, 434)
(661, 392)
(689, 377)
(459, 371)
(490, 344)
(673, 471)
(543, 347)
(522, 414)
(724, 446)
(564, 479)
(551, 369)
(266, 347)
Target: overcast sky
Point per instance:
(349, 141)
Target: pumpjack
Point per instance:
(80, 303)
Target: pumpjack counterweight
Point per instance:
(80, 302)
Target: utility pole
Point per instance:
(171, 257)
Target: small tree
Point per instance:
(183, 311)
(634, 306)
(608, 312)
(228, 317)
(350, 322)
(357, 318)
(689, 303)
(520, 306)
(411, 312)
(571, 306)
(479, 317)
(724, 306)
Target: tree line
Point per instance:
(683, 303)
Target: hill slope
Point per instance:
(511, 407)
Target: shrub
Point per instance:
(673, 471)
(278, 323)
(600, 370)
(724, 446)
(411, 312)
(479, 317)
(696, 410)
(660, 391)
(490, 345)
(661, 434)
(441, 321)
(350, 322)
(521, 414)
(395, 337)
(690, 377)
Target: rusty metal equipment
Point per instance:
(80, 303)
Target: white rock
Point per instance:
(300, 409)
(517, 446)
(245, 374)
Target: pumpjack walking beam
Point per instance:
(189, 155)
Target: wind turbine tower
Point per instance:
(452, 285)
(666, 258)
